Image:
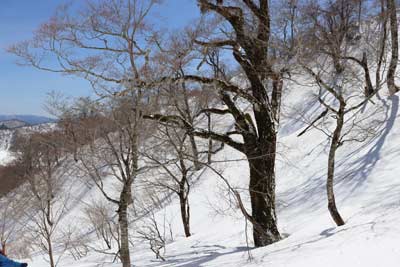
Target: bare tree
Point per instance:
(102, 218)
(335, 68)
(108, 43)
(249, 38)
(45, 167)
(112, 139)
(155, 234)
(183, 99)
(251, 44)
(12, 208)
(175, 162)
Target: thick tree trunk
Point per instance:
(260, 137)
(261, 153)
(185, 213)
(391, 9)
(331, 167)
(262, 191)
(124, 226)
(263, 207)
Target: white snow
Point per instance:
(5, 139)
(367, 190)
(5, 157)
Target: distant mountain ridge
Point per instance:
(28, 119)
(12, 124)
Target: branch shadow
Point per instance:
(360, 169)
(193, 259)
(323, 235)
(351, 173)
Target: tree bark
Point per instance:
(382, 44)
(262, 189)
(335, 143)
(369, 89)
(195, 152)
(391, 9)
(210, 141)
(189, 117)
(124, 226)
(251, 50)
(185, 213)
(51, 257)
(184, 189)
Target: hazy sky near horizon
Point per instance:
(23, 90)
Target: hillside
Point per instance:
(367, 193)
(12, 124)
(8, 173)
(260, 133)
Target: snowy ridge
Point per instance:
(6, 138)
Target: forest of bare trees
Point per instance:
(166, 102)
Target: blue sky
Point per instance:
(23, 90)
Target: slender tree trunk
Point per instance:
(391, 9)
(189, 117)
(185, 212)
(124, 226)
(369, 89)
(184, 188)
(210, 141)
(51, 257)
(4, 246)
(195, 152)
(331, 166)
(382, 44)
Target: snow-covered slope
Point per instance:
(367, 190)
(5, 142)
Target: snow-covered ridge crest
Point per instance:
(7, 137)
